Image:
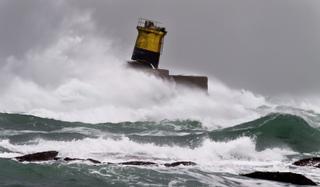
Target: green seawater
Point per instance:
(269, 143)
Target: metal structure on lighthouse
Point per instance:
(149, 43)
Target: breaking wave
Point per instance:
(162, 140)
(80, 78)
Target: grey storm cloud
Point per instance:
(267, 46)
(27, 24)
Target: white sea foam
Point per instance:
(80, 78)
(115, 150)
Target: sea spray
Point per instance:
(79, 78)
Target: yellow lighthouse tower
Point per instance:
(149, 43)
(146, 55)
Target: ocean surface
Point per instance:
(268, 143)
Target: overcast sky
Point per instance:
(267, 46)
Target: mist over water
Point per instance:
(80, 78)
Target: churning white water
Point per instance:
(78, 78)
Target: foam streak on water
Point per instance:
(221, 155)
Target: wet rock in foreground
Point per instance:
(40, 156)
(52, 155)
(68, 159)
(314, 161)
(286, 177)
(137, 163)
(146, 163)
(183, 163)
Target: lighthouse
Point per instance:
(146, 56)
(149, 43)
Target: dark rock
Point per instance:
(52, 155)
(57, 158)
(76, 159)
(287, 177)
(137, 163)
(41, 156)
(94, 161)
(184, 163)
(145, 163)
(68, 159)
(315, 162)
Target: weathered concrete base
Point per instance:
(200, 82)
(197, 82)
(286, 177)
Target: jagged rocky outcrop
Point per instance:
(314, 161)
(52, 155)
(41, 156)
(138, 163)
(48, 156)
(68, 159)
(146, 163)
(183, 163)
(286, 177)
